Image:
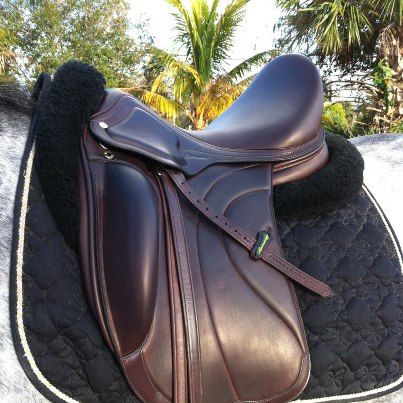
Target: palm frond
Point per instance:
(337, 24)
(180, 74)
(245, 82)
(357, 23)
(164, 58)
(391, 10)
(288, 4)
(197, 86)
(225, 30)
(186, 26)
(256, 60)
(219, 95)
(162, 104)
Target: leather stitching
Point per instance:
(156, 387)
(274, 153)
(224, 175)
(134, 354)
(232, 383)
(175, 131)
(184, 299)
(130, 382)
(242, 195)
(99, 245)
(100, 272)
(290, 285)
(102, 290)
(255, 291)
(193, 294)
(293, 386)
(198, 362)
(108, 109)
(113, 336)
(304, 279)
(247, 240)
(170, 259)
(142, 345)
(307, 143)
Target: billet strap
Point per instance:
(187, 292)
(246, 240)
(179, 359)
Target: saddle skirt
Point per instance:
(180, 254)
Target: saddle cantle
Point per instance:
(181, 258)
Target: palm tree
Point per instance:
(351, 35)
(196, 87)
(390, 45)
(7, 56)
(345, 31)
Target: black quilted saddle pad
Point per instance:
(355, 338)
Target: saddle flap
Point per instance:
(123, 217)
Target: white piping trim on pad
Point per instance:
(369, 393)
(20, 261)
(385, 388)
(385, 222)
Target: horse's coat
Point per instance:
(14, 385)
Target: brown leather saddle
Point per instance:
(181, 258)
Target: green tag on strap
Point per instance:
(263, 239)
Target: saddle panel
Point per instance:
(127, 285)
(240, 351)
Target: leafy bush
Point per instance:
(397, 127)
(338, 118)
(382, 76)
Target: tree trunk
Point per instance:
(391, 50)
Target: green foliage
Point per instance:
(198, 85)
(391, 11)
(344, 32)
(47, 33)
(339, 118)
(397, 128)
(7, 56)
(353, 36)
(382, 77)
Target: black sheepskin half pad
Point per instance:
(75, 94)
(334, 185)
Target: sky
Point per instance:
(254, 35)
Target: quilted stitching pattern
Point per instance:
(63, 336)
(355, 338)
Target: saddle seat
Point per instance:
(282, 108)
(276, 119)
